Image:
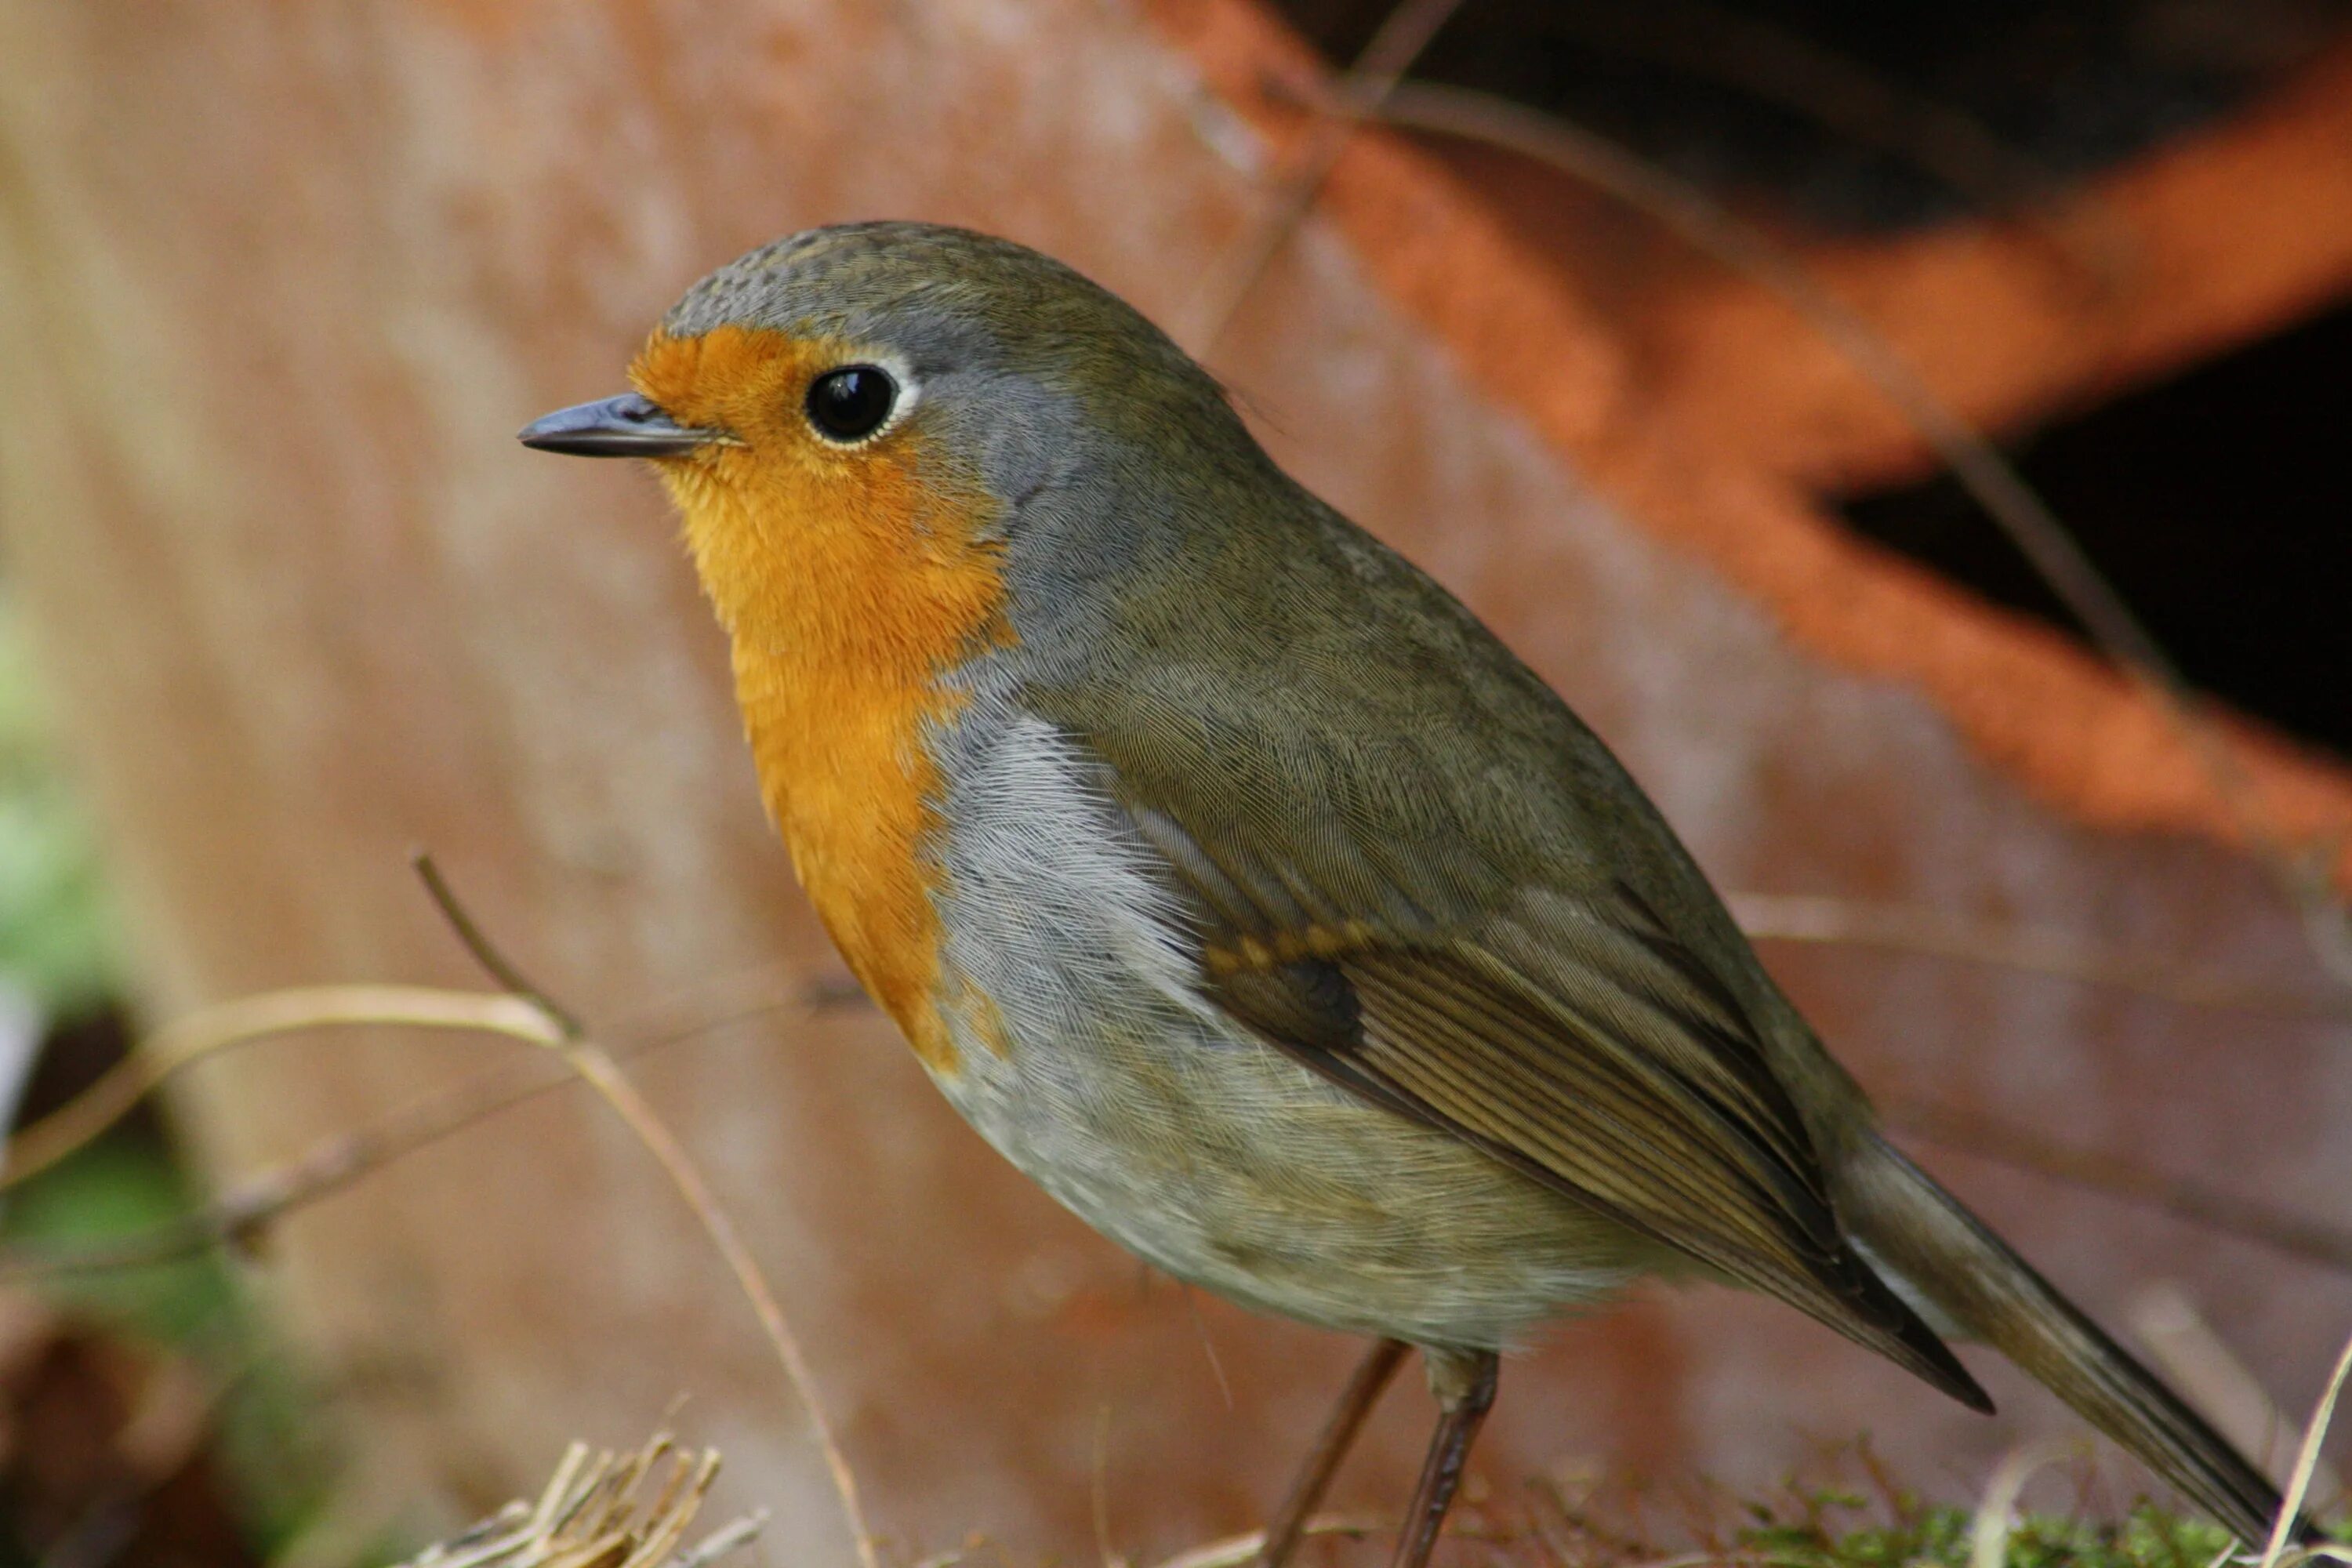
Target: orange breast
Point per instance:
(850, 581)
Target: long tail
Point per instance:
(1921, 1232)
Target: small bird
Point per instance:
(1239, 886)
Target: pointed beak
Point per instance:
(624, 427)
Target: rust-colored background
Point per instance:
(278, 284)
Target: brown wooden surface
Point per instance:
(276, 287)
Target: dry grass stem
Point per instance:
(593, 1064)
(526, 1016)
(2307, 1462)
(2210, 1375)
(243, 1211)
(590, 1516)
(560, 1031)
(1233, 1550)
(241, 1022)
(1997, 1514)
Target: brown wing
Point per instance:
(1578, 1041)
(1414, 869)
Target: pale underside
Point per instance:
(1087, 1054)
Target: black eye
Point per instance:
(850, 404)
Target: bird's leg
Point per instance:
(1463, 1382)
(1356, 1402)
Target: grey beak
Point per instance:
(624, 427)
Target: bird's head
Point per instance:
(873, 411)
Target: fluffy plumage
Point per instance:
(1245, 890)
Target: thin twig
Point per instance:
(1913, 928)
(197, 1035)
(1703, 223)
(592, 1063)
(1843, 94)
(241, 1022)
(479, 947)
(513, 1015)
(245, 1211)
(1098, 1488)
(2312, 1240)
(1403, 36)
(561, 1031)
(1979, 466)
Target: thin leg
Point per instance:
(1362, 1393)
(1463, 1382)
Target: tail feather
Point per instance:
(1970, 1276)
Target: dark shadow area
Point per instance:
(1858, 115)
(2219, 503)
(77, 1052)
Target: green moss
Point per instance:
(57, 940)
(1863, 1518)
(2147, 1537)
(123, 1188)
(118, 1188)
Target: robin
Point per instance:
(1240, 886)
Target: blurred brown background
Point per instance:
(278, 283)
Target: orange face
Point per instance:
(780, 510)
(852, 575)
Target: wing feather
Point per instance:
(1500, 974)
(1448, 1036)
